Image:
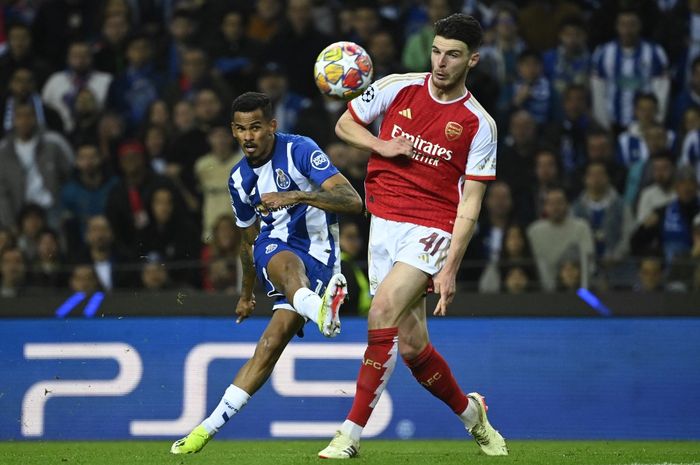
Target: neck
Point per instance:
(498, 221)
(136, 178)
(91, 179)
(596, 196)
(99, 254)
(25, 137)
(445, 95)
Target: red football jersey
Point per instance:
(451, 141)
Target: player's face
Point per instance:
(451, 60)
(254, 133)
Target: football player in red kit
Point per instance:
(426, 179)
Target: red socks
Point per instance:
(377, 365)
(433, 373)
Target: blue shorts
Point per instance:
(318, 273)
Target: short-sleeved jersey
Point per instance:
(452, 141)
(297, 163)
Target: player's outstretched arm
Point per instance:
(355, 134)
(465, 223)
(337, 195)
(246, 303)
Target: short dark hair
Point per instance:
(528, 54)
(460, 27)
(639, 96)
(251, 101)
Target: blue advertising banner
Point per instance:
(156, 378)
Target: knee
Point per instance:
(382, 310)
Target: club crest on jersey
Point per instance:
(453, 130)
(281, 179)
(270, 248)
(319, 160)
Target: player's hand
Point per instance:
(244, 308)
(444, 284)
(276, 200)
(395, 147)
(651, 220)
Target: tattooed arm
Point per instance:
(337, 195)
(246, 303)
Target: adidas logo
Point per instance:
(406, 113)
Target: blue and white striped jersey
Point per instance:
(626, 73)
(690, 153)
(297, 163)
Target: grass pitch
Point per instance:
(373, 452)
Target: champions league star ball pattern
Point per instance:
(343, 70)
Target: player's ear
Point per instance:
(273, 125)
(473, 59)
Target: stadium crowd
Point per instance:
(116, 145)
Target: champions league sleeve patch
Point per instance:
(319, 160)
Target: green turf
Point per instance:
(373, 452)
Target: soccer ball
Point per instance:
(343, 70)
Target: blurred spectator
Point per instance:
(656, 141)
(193, 76)
(607, 215)
(568, 133)
(559, 234)
(515, 253)
(631, 144)
(531, 90)
(133, 91)
(127, 202)
(318, 120)
(155, 142)
(365, 22)
(34, 166)
(60, 22)
(159, 115)
(296, 45)
(110, 134)
(212, 172)
(382, 49)
(667, 231)
(530, 203)
(13, 273)
(83, 279)
(154, 277)
(417, 48)
(48, 268)
(683, 268)
(623, 67)
(22, 90)
(351, 245)
(689, 96)
(85, 194)
(87, 114)
(62, 88)
(30, 222)
(286, 104)
(224, 246)
(516, 280)
(661, 191)
(182, 31)
(569, 275)
(488, 240)
(190, 145)
(569, 63)
(515, 163)
(690, 153)
(7, 239)
(599, 147)
(264, 22)
(542, 34)
(650, 275)
(235, 55)
(499, 58)
(109, 50)
(108, 260)
(171, 235)
(183, 117)
(20, 54)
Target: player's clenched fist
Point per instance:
(395, 147)
(277, 200)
